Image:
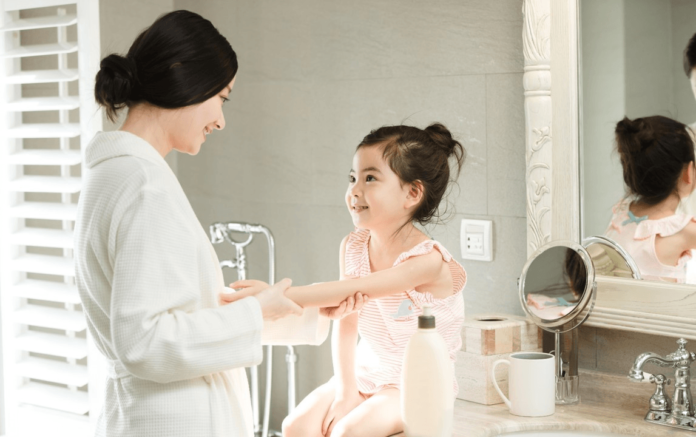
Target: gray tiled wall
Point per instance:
(314, 78)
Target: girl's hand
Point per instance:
(341, 406)
(350, 305)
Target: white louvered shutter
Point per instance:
(51, 55)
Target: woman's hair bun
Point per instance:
(179, 61)
(115, 83)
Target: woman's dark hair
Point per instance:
(653, 153)
(180, 60)
(690, 56)
(420, 155)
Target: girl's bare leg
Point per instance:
(378, 416)
(306, 419)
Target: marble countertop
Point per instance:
(608, 404)
(476, 420)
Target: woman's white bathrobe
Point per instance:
(149, 280)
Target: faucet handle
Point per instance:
(659, 402)
(681, 353)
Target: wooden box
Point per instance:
(485, 339)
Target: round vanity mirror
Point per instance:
(557, 286)
(610, 259)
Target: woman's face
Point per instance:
(693, 81)
(190, 125)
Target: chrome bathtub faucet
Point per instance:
(678, 413)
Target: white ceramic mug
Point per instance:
(531, 382)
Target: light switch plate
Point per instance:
(477, 240)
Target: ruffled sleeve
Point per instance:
(662, 227)
(356, 253)
(458, 272)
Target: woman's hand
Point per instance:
(341, 406)
(274, 304)
(247, 287)
(350, 305)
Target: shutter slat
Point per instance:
(43, 264)
(57, 398)
(42, 76)
(40, 50)
(45, 157)
(59, 372)
(44, 211)
(44, 130)
(42, 237)
(45, 184)
(43, 104)
(46, 290)
(49, 393)
(52, 344)
(53, 318)
(38, 421)
(40, 22)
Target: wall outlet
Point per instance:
(477, 240)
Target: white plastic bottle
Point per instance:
(427, 400)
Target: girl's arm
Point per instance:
(344, 337)
(343, 344)
(405, 276)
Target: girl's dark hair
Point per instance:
(420, 155)
(180, 60)
(690, 56)
(575, 273)
(653, 153)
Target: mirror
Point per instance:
(557, 290)
(559, 170)
(557, 285)
(630, 64)
(610, 259)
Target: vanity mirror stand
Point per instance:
(557, 290)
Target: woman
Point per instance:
(148, 276)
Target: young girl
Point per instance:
(399, 177)
(657, 155)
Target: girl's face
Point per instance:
(693, 81)
(189, 126)
(376, 197)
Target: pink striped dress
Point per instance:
(385, 325)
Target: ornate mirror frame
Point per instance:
(552, 119)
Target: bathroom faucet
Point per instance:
(679, 412)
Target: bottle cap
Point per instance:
(427, 320)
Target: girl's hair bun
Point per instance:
(115, 83)
(442, 138)
(631, 136)
(653, 151)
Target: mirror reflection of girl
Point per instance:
(399, 176)
(657, 155)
